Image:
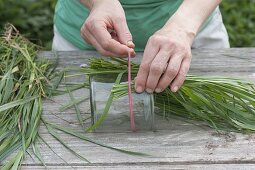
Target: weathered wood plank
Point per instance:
(224, 62)
(176, 144)
(162, 146)
(157, 166)
(227, 60)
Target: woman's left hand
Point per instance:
(166, 60)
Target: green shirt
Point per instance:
(144, 17)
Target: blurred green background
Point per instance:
(34, 19)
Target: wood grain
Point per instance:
(176, 144)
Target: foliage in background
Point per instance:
(35, 18)
(239, 18)
(31, 17)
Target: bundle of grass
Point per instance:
(223, 103)
(22, 84)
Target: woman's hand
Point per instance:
(167, 55)
(166, 60)
(106, 28)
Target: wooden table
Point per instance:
(175, 145)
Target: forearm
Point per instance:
(191, 14)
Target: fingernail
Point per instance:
(139, 89)
(158, 90)
(149, 90)
(130, 44)
(175, 89)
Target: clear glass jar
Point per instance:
(118, 119)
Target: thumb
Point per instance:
(123, 33)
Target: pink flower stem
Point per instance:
(132, 118)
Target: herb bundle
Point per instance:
(223, 103)
(22, 85)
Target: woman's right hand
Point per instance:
(106, 28)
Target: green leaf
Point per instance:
(17, 103)
(55, 135)
(81, 136)
(72, 103)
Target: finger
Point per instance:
(180, 78)
(170, 73)
(124, 35)
(114, 36)
(130, 44)
(105, 40)
(149, 53)
(156, 69)
(91, 40)
(85, 34)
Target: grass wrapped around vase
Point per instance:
(223, 103)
